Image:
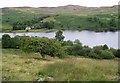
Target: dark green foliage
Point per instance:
(105, 54)
(48, 25)
(59, 35)
(36, 22)
(85, 51)
(112, 23)
(75, 49)
(77, 42)
(52, 47)
(19, 26)
(102, 52)
(43, 45)
(97, 49)
(15, 42)
(105, 47)
(118, 53)
(67, 43)
(6, 41)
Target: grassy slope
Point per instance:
(73, 16)
(18, 65)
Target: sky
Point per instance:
(55, 3)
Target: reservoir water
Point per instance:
(89, 38)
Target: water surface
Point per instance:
(89, 38)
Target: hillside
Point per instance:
(69, 9)
(21, 66)
(63, 17)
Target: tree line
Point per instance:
(58, 47)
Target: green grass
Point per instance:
(36, 30)
(64, 20)
(18, 65)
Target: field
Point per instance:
(18, 65)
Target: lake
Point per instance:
(89, 38)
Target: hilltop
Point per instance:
(68, 9)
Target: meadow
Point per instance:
(21, 66)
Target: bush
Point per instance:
(75, 49)
(48, 25)
(67, 43)
(43, 45)
(117, 53)
(105, 54)
(93, 55)
(16, 42)
(53, 48)
(85, 51)
(6, 41)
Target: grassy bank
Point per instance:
(18, 65)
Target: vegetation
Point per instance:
(53, 47)
(59, 36)
(21, 66)
(14, 19)
(39, 58)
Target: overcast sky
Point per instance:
(54, 3)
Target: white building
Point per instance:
(27, 28)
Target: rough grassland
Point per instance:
(18, 65)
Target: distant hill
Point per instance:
(62, 17)
(68, 9)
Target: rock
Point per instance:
(41, 78)
(50, 79)
(118, 78)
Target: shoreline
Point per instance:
(54, 30)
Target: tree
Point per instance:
(74, 50)
(6, 41)
(112, 23)
(59, 36)
(77, 42)
(105, 47)
(16, 42)
(105, 54)
(48, 25)
(118, 53)
(67, 43)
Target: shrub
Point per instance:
(93, 55)
(43, 45)
(85, 51)
(105, 54)
(16, 42)
(59, 35)
(75, 49)
(48, 25)
(117, 53)
(67, 43)
(6, 41)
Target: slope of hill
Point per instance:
(65, 17)
(69, 9)
(20, 66)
